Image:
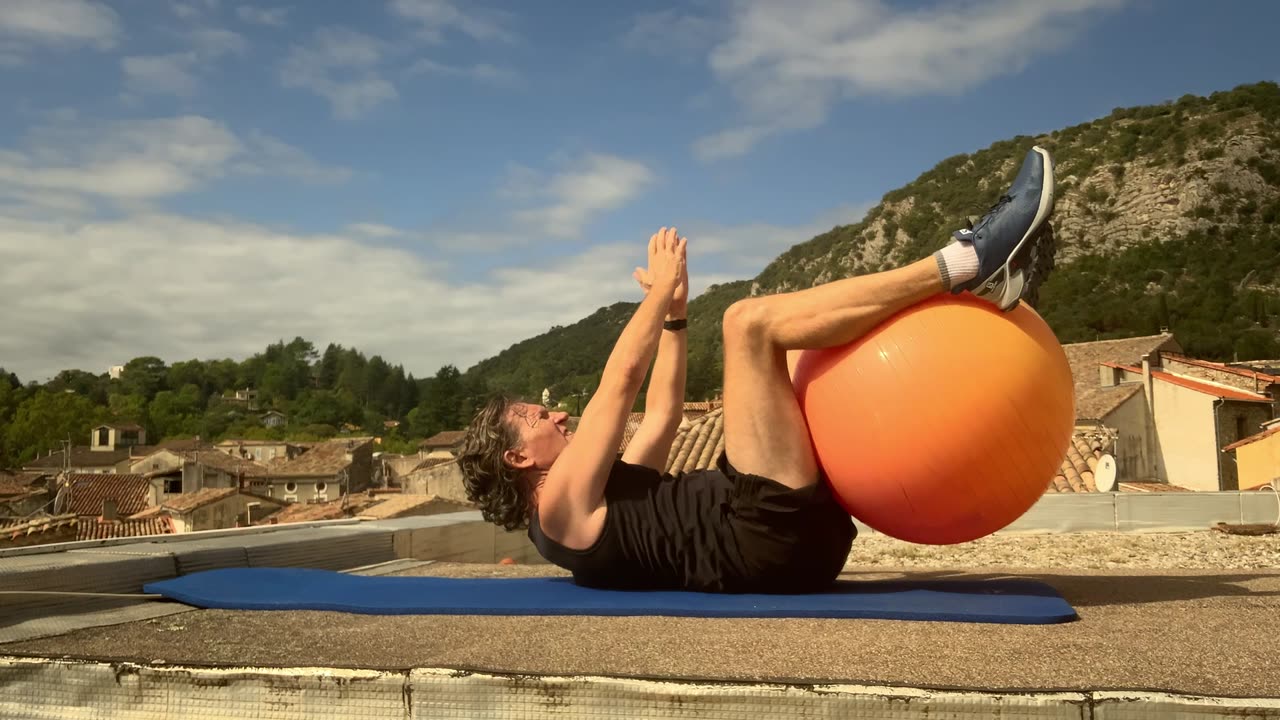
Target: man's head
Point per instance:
(506, 452)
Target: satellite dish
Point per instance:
(1104, 476)
(60, 501)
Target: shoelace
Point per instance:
(1004, 200)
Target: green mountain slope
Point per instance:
(1167, 217)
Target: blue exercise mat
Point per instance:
(1026, 602)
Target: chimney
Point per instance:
(109, 510)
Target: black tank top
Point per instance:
(661, 531)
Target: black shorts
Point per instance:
(788, 540)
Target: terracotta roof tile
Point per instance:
(13, 485)
(447, 438)
(229, 464)
(90, 529)
(432, 462)
(629, 431)
(83, 456)
(131, 493)
(1202, 386)
(698, 445)
(1097, 403)
(325, 459)
(311, 512)
(1083, 454)
(36, 526)
(1092, 401)
(1256, 375)
(187, 502)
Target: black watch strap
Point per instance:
(680, 324)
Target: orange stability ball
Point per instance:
(945, 423)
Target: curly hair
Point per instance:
(496, 487)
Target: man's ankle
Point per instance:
(957, 263)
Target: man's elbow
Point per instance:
(627, 374)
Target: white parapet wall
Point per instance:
(46, 688)
(1142, 512)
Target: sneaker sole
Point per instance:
(1005, 287)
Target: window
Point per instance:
(173, 486)
(104, 436)
(291, 487)
(321, 487)
(1240, 427)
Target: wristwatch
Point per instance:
(680, 324)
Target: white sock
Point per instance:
(957, 262)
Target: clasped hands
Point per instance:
(668, 272)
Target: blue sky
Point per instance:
(433, 181)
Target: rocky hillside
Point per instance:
(1167, 216)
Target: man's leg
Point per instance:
(765, 432)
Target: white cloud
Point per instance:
(60, 22)
(671, 33)
(148, 159)
(570, 199)
(263, 16)
(434, 17)
(721, 252)
(238, 286)
(229, 289)
(176, 73)
(340, 65)
(479, 71)
(788, 63)
(161, 74)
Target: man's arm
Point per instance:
(664, 403)
(574, 487)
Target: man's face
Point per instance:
(543, 434)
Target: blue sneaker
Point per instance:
(1003, 238)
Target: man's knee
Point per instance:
(746, 320)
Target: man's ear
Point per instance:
(516, 459)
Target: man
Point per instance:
(763, 520)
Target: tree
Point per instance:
(91, 386)
(330, 366)
(189, 372)
(143, 376)
(43, 421)
(131, 408)
(177, 414)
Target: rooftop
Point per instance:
(1225, 392)
(447, 438)
(1096, 402)
(131, 493)
(1178, 631)
(323, 460)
